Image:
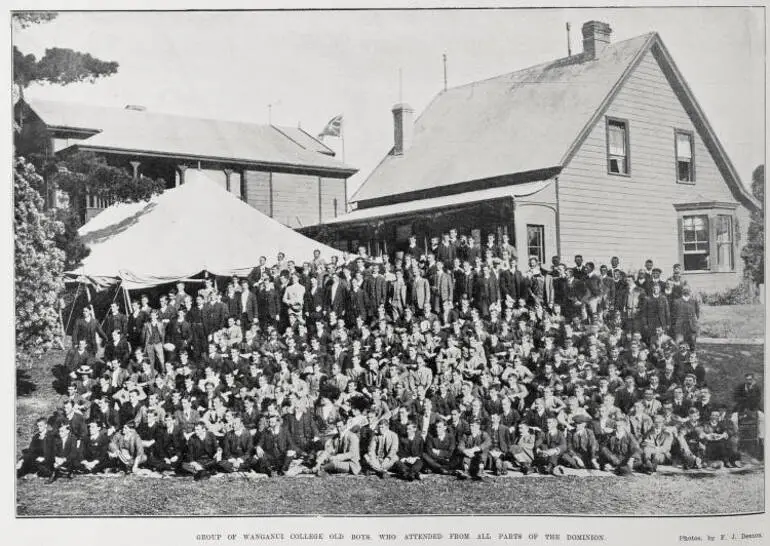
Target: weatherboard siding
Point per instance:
(295, 199)
(331, 189)
(256, 189)
(633, 217)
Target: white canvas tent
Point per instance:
(196, 227)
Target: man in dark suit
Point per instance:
(88, 328)
(202, 454)
(237, 449)
(655, 313)
(582, 447)
(410, 449)
(499, 449)
(95, 449)
(440, 450)
(446, 252)
(487, 291)
(336, 297)
(314, 300)
(474, 451)
(66, 453)
(687, 313)
(154, 335)
(38, 457)
(167, 452)
(116, 320)
(247, 305)
(276, 447)
(136, 321)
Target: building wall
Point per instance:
(331, 189)
(256, 186)
(295, 199)
(633, 217)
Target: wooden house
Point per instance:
(603, 153)
(283, 172)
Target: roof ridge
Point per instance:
(578, 57)
(32, 103)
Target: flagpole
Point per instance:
(342, 137)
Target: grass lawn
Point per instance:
(679, 494)
(733, 321)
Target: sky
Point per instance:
(311, 66)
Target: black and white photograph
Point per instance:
(389, 262)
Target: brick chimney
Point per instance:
(596, 37)
(403, 126)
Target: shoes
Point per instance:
(461, 475)
(558, 470)
(698, 462)
(737, 464)
(525, 470)
(53, 478)
(480, 475)
(418, 477)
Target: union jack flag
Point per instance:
(333, 128)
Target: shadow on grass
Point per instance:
(24, 384)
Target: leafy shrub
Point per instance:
(745, 292)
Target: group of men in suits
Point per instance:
(453, 361)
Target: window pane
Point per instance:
(724, 229)
(696, 244)
(536, 241)
(684, 171)
(617, 135)
(696, 262)
(683, 146)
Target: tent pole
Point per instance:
(72, 309)
(127, 298)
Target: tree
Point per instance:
(58, 65)
(753, 253)
(39, 265)
(84, 173)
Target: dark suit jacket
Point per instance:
(338, 302)
(147, 332)
(250, 310)
(687, 314)
(500, 437)
(116, 322)
(88, 331)
(655, 313)
(446, 447)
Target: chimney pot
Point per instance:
(403, 126)
(596, 37)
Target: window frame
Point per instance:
(730, 242)
(691, 136)
(608, 122)
(713, 210)
(696, 242)
(541, 250)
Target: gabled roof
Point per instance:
(139, 132)
(528, 121)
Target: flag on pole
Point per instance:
(333, 128)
